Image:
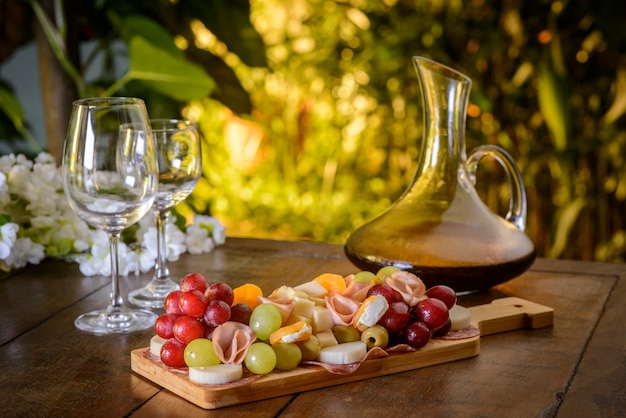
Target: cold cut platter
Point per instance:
(501, 315)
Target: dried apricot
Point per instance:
(333, 283)
(248, 294)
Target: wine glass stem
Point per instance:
(162, 273)
(116, 301)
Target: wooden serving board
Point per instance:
(501, 315)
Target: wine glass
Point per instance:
(179, 159)
(110, 178)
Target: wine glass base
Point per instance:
(153, 295)
(123, 321)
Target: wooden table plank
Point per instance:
(57, 370)
(30, 297)
(599, 387)
(51, 369)
(167, 405)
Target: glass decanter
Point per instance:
(439, 228)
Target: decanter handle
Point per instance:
(517, 203)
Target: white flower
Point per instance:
(71, 227)
(204, 234)
(174, 241)
(146, 261)
(8, 235)
(215, 228)
(25, 251)
(5, 197)
(198, 240)
(127, 260)
(36, 219)
(98, 261)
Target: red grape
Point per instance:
(417, 334)
(208, 332)
(395, 317)
(193, 303)
(388, 292)
(164, 325)
(172, 302)
(220, 291)
(444, 330)
(432, 312)
(240, 312)
(444, 293)
(194, 281)
(187, 329)
(173, 353)
(216, 313)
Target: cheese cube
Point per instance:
(322, 319)
(303, 307)
(327, 338)
(312, 289)
(297, 318)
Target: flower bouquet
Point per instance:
(36, 222)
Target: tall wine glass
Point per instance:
(180, 164)
(110, 178)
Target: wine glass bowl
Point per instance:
(110, 179)
(179, 158)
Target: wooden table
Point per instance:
(576, 368)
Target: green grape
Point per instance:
(288, 356)
(364, 276)
(264, 320)
(260, 358)
(200, 353)
(387, 271)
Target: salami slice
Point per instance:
(467, 332)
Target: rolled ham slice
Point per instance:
(342, 308)
(231, 341)
(356, 290)
(409, 285)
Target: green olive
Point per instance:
(346, 333)
(376, 336)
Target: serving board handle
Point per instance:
(508, 314)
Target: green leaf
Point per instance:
(60, 248)
(553, 103)
(173, 76)
(565, 224)
(179, 220)
(618, 107)
(11, 107)
(150, 30)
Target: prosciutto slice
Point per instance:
(409, 285)
(356, 291)
(342, 308)
(231, 341)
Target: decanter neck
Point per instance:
(445, 94)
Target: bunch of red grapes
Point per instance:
(194, 312)
(418, 324)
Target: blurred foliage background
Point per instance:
(312, 112)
